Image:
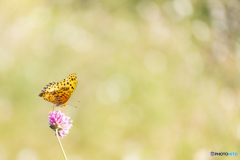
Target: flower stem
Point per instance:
(65, 157)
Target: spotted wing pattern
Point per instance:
(59, 93)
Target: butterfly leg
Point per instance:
(64, 109)
(64, 106)
(52, 109)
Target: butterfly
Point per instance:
(58, 93)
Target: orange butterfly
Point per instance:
(59, 93)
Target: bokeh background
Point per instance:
(156, 79)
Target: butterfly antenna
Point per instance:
(72, 105)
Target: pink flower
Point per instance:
(57, 120)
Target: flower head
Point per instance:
(57, 120)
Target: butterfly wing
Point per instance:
(59, 93)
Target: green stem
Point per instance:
(65, 157)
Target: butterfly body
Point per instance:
(58, 93)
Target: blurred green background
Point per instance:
(156, 79)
